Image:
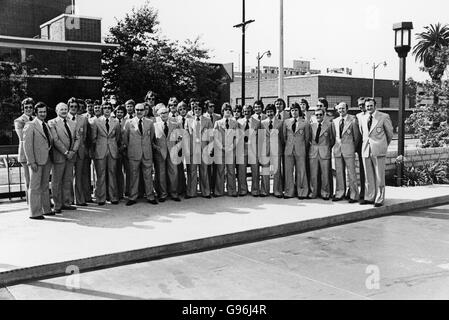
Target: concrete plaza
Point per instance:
(98, 237)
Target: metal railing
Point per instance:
(12, 181)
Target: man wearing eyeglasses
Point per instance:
(166, 149)
(347, 136)
(19, 124)
(106, 138)
(360, 116)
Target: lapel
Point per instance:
(135, 124)
(348, 123)
(40, 129)
(101, 123)
(60, 123)
(297, 124)
(375, 121)
(324, 127)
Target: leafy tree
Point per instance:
(145, 60)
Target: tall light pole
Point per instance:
(375, 66)
(243, 26)
(281, 50)
(402, 45)
(259, 57)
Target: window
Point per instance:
(378, 102)
(10, 54)
(334, 100)
(394, 103)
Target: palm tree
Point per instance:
(430, 44)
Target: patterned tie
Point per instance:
(227, 123)
(107, 125)
(342, 125)
(270, 127)
(166, 129)
(294, 125)
(318, 132)
(47, 134)
(140, 126)
(68, 133)
(370, 122)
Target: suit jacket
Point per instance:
(376, 141)
(284, 115)
(62, 142)
(179, 119)
(223, 136)
(276, 134)
(164, 144)
(192, 126)
(296, 142)
(347, 144)
(19, 124)
(253, 131)
(82, 127)
(325, 142)
(262, 117)
(215, 117)
(104, 141)
(36, 147)
(140, 145)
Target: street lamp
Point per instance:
(259, 57)
(375, 66)
(402, 45)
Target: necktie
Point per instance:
(294, 126)
(198, 119)
(31, 118)
(183, 122)
(74, 118)
(107, 125)
(318, 132)
(68, 133)
(198, 128)
(166, 129)
(120, 121)
(130, 116)
(279, 116)
(47, 134)
(270, 127)
(227, 123)
(247, 125)
(259, 117)
(370, 122)
(140, 126)
(342, 124)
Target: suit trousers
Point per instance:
(345, 168)
(106, 166)
(135, 167)
(242, 179)
(319, 175)
(167, 176)
(182, 188)
(87, 179)
(298, 164)
(192, 179)
(26, 174)
(80, 187)
(375, 179)
(212, 174)
(278, 188)
(62, 184)
(361, 173)
(120, 177)
(229, 170)
(39, 193)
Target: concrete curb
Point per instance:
(46, 271)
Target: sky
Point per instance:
(331, 34)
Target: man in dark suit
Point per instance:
(38, 142)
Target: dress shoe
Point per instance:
(337, 199)
(365, 202)
(279, 196)
(326, 198)
(162, 199)
(130, 203)
(58, 211)
(263, 195)
(255, 195)
(242, 195)
(90, 201)
(207, 197)
(38, 218)
(176, 199)
(352, 201)
(69, 208)
(82, 205)
(236, 195)
(377, 205)
(101, 203)
(152, 201)
(188, 197)
(302, 198)
(114, 202)
(50, 214)
(287, 197)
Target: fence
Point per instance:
(12, 180)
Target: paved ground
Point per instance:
(407, 256)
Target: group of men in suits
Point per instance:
(161, 152)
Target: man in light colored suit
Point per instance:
(281, 113)
(38, 142)
(200, 135)
(166, 147)
(106, 138)
(321, 141)
(360, 116)
(275, 148)
(347, 136)
(138, 138)
(82, 129)
(214, 117)
(296, 134)
(66, 145)
(225, 143)
(19, 124)
(377, 133)
(122, 160)
(173, 106)
(258, 108)
(247, 153)
(182, 118)
(130, 109)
